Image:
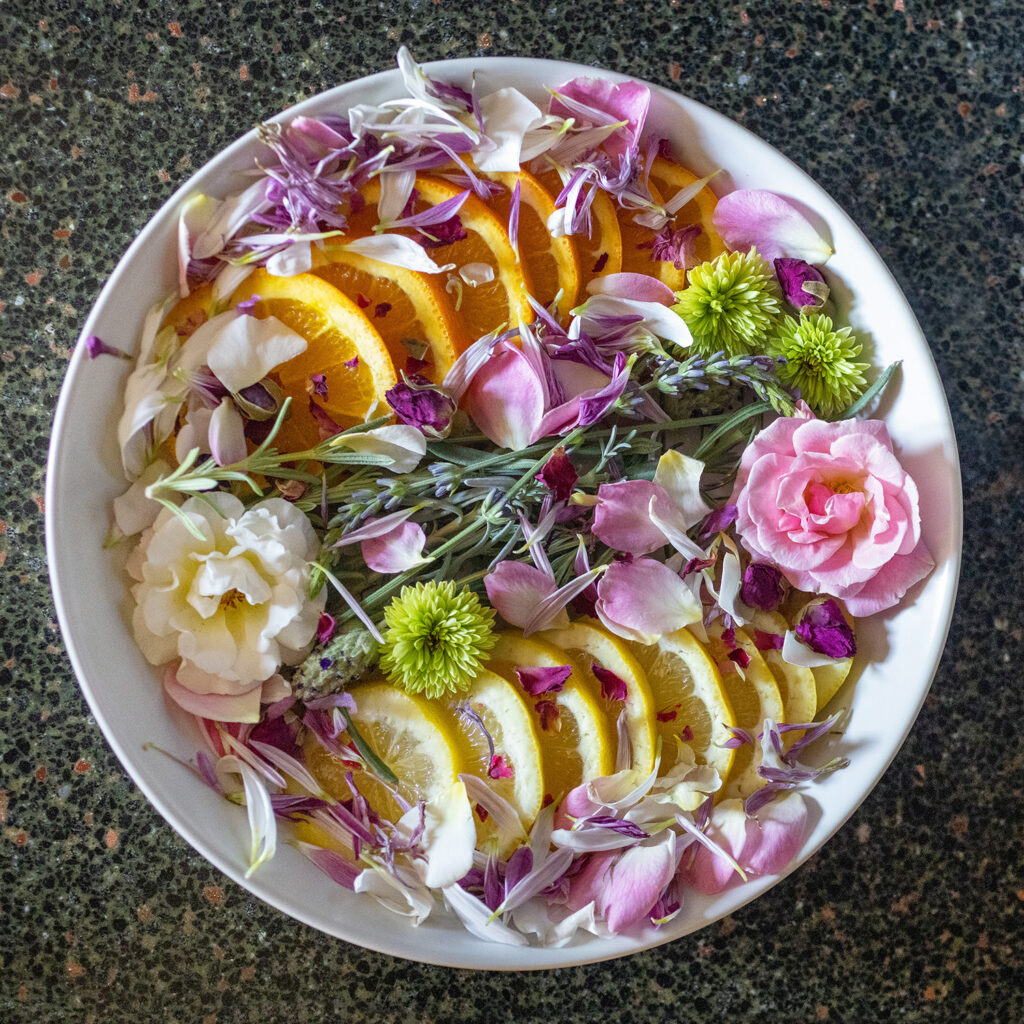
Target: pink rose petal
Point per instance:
(752, 217)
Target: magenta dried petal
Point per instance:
(613, 687)
(762, 586)
(499, 768)
(823, 628)
(319, 383)
(768, 641)
(793, 274)
(537, 680)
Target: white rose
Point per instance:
(233, 606)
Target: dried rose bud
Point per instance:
(824, 629)
(762, 587)
(802, 284)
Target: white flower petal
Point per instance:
(680, 475)
(246, 349)
(398, 250)
(295, 258)
(507, 116)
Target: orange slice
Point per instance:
(336, 332)
(552, 264)
(481, 309)
(600, 253)
(401, 304)
(666, 179)
(487, 306)
(193, 311)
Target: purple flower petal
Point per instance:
(719, 520)
(98, 347)
(677, 245)
(537, 680)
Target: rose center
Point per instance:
(232, 599)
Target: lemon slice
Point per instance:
(580, 746)
(796, 683)
(827, 678)
(689, 700)
(410, 735)
(511, 725)
(753, 696)
(588, 644)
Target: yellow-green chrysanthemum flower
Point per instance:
(819, 361)
(730, 303)
(435, 639)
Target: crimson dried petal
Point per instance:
(543, 679)
(762, 586)
(326, 425)
(768, 641)
(740, 657)
(548, 712)
(793, 275)
(559, 475)
(613, 687)
(824, 629)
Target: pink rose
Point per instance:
(830, 504)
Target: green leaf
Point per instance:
(365, 751)
(872, 392)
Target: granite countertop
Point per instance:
(910, 114)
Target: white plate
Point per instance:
(900, 650)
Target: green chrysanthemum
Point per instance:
(819, 361)
(730, 303)
(436, 637)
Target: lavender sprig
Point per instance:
(697, 373)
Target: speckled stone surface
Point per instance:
(911, 115)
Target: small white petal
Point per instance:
(507, 115)
(246, 349)
(398, 250)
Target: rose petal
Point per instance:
(644, 600)
(752, 217)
